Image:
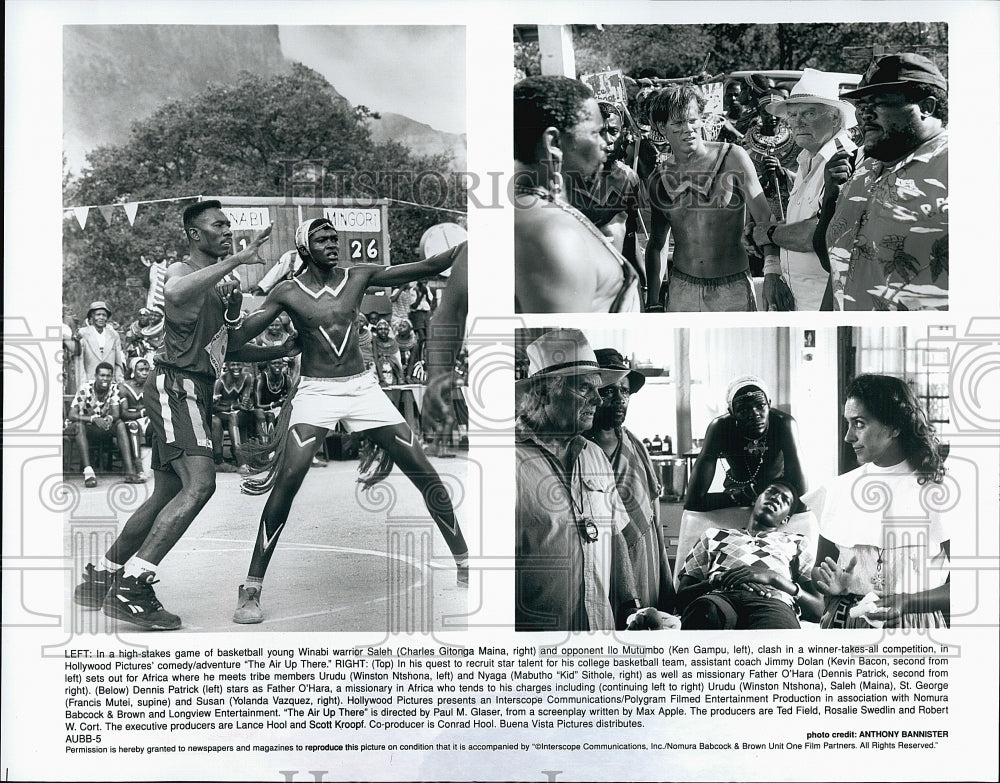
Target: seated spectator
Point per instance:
(133, 409)
(273, 386)
(232, 409)
(145, 335)
(410, 353)
(96, 410)
(757, 577)
(386, 349)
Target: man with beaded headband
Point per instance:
(335, 387)
(758, 444)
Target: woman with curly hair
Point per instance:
(884, 544)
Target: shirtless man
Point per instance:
(702, 193)
(336, 386)
(202, 309)
(757, 442)
(562, 262)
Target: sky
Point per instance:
(416, 71)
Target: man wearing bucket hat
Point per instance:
(637, 481)
(758, 444)
(888, 238)
(820, 124)
(571, 560)
(99, 342)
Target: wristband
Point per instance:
(233, 325)
(770, 232)
(798, 590)
(772, 265)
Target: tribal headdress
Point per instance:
(305, 230)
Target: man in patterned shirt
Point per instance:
(96, 409)
(888, 239)
(758, 577)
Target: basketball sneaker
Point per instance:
(132, 600)
(92, 591)
(248, 606)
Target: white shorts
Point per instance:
(357, 402)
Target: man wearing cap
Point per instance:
(99, 342)
(202, 309)
(820, 124)
(336, 386)
(571, 559)
(758, 444)
(637, 482)
(888, 238)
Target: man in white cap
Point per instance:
(571, 559)
(336, 386)
(758, 444)
(820, 124)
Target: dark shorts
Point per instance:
(728, 294)
(737, 610)
(179, 407)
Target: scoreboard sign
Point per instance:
(360, 232)
(245, 222)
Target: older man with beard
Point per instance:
(637, 483)
(888, 238)
(571, 559)
(820, 124)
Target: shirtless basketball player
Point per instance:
(336, 386)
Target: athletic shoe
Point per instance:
(90, 482)
(132, 600)
(248, 606)
(92, 591)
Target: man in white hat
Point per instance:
(99, 342)
(820, 124)
(758, 444)
(571, 560)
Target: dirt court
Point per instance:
(346, 561)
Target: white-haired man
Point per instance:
(571, 560)
(820, 124)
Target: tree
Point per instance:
(236, 139)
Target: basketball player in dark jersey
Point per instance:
(336, 386)
(202, 309)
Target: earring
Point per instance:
(554, 172)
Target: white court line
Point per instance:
(308, 547)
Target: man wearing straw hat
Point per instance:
(820, 124)
(571, 560)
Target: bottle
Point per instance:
(657, 445)
(668, 445)
(645, 442)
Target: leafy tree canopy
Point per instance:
(237, 139)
